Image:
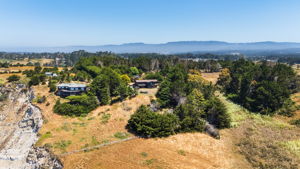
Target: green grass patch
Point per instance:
(85, 145)
(66, 127)
(105, 118)
(105, 141)
(144, 154)
(236, 112)
(239, 114)
(43, 137)
(62, 145)
(1, 82)
(181, 152)
(91, 118)
(292, 146)
(94, 141)
(82, 124)
(121, 135)
(269, 121)
(74, 131)
(150, 161)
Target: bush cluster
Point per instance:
(13, 78)
(77, 105)
(147, 123)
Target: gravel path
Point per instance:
(97, 146)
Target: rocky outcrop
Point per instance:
(40, 157)
(20, 121)
(212, 131)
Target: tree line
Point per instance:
(260, 87)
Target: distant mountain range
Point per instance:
(176, 47)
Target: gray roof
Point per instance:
(71, 85)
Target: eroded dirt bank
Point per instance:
(20, 121)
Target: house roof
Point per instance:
(146, 81)
(71, 85)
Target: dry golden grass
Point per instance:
(84, 130)
(200, 151)
(26, 60)
(211, 77)
(22, 68)
(3, 77)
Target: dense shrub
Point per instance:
(147, 123)
(13, 78)
(77, 105)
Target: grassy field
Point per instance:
(3, 77)
(26, 60)
(211, 77)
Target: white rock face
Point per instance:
(20, 124)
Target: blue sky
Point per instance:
(98, 22)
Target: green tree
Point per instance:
(191, 114)
(216, 113)
(123, 90)
(34, 80)
(164, 94)
(125, 78)
(134, 71)
(100, 88)
(113, 79)
(146, 123)
(13, 78)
